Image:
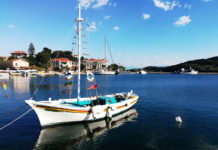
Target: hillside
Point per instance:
(201, 65)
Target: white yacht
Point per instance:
(142, 72)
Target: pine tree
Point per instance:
(31, 50)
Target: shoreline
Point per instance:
(122, 73)
(181, 73)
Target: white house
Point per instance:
(19, 54)
(62, 63)
(18, 64)
(94, 64)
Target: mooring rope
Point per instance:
(15, 119)
(3, 127)
(12, 111)
(37, 88)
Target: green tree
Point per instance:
(31, 50)
(11, 58)
(63, 54)
(1, 59)
(115, 67)
(83, 67)
(43, 58)
(32, 60)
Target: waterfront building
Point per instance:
(94, 64)
(19, 54)
(18, 64)
(61, 63)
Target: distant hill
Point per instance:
(201, 65)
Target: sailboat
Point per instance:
(52, 112)
(192, 71)
(105, 71)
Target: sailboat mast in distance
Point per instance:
(105, 48)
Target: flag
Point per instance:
(68, 83)
(94, 86)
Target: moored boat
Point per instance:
(51, 112)
(192, 71)
(87, 109)
(142, 72)
(103, 72)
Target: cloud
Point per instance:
(146, 16)
(165, 5)
(86, 3)
(113, 4)
(107, 17)
(92, 27)
(100, 3)
(116, 28)
(11, 26)
(94, 3)
(187, 6)
(183, 21)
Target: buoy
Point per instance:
(5, 86)
(178, 119)
(6, 95)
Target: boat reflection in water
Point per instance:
(74, 135)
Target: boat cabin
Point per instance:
(99, 101)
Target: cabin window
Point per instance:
(95, 102)
(102, 101)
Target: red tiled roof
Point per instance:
(13, 60)
(18, 52)
(61, 59)
(96, 60)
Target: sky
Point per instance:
(139, 32)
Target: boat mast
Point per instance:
(105, 48)
(79, 26)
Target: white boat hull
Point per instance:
(192, 72)
(142, 72)
(49, 113)
(104, 72)
(4, 76)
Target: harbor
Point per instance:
(153, 127)
(108, 74)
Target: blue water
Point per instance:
(153, 127)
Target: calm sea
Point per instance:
(150, 125)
